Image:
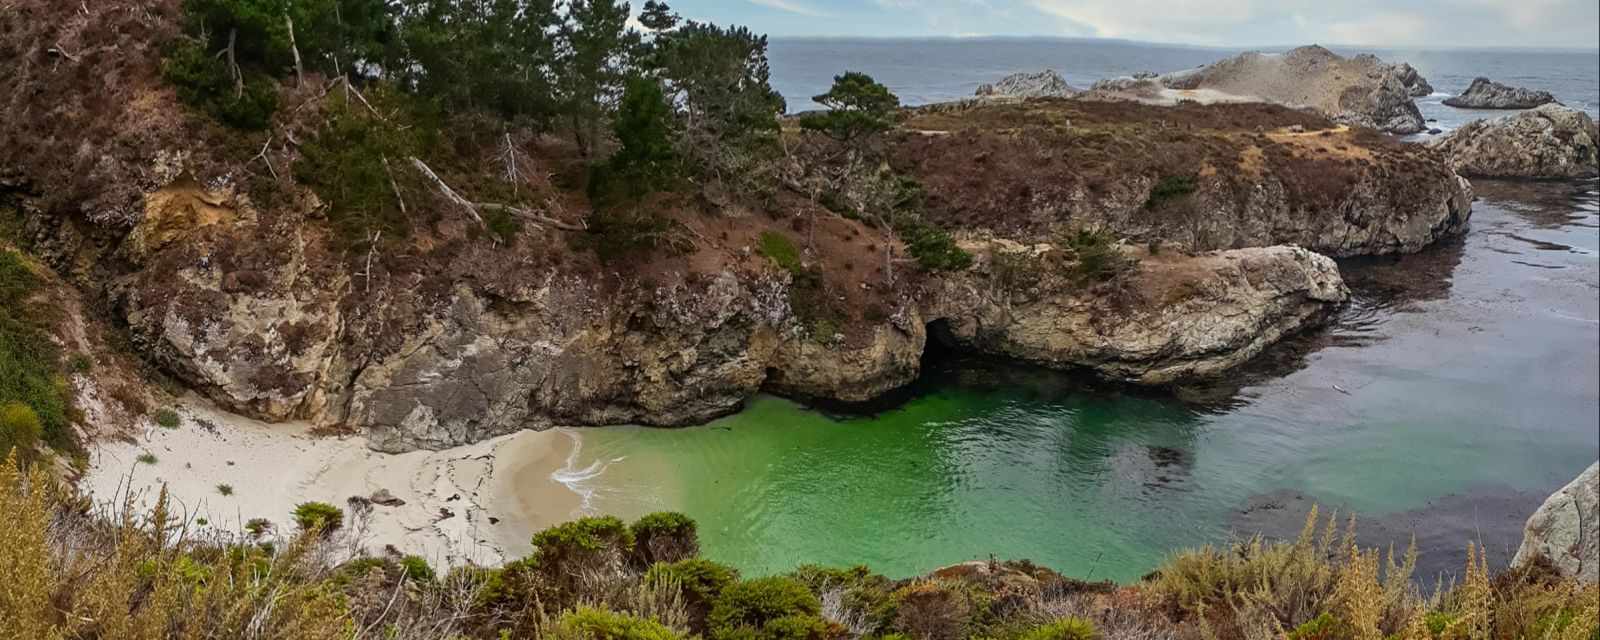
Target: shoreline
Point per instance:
(476, 504)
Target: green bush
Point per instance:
(19, 431)
(664, 537)
(700, 581)
(1322, 627)
(356, 162)
(258, 527)
(762, 608)
(417, 569)
(30, 359)
(146, 458)
(319, 516)
(933, 247)
(781, 250)
(863, 592)
(1064, 629)
(589, 623)
(581, 536)
(225, 489)
(167, 419)
(1168, 189)
(1096, 255)
(203, 81)
(620, 232)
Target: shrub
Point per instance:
(225, 489)
(933, 247)
(619, 232)
(700, 580)
(589, 623)
(1096, 256)
(357, 161)
(258, 527)
(30, 359)
(146, 458)
(664, 537)
(417, 569)
(167, 419)
(1169, 188)
(19, 431)
(1064, 629)
(1322, 627)
(203, 81)
(781, 251)
(318, 516)
(763, 607)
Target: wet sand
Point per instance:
(474, 504)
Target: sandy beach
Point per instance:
(474, 504)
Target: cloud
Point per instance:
(790, 6)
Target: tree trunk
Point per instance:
(233, 64)
(299, 72)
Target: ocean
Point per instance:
(940, 70)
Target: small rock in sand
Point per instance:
(383, 497)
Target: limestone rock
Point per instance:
(1044, 84)
(1551, 141)
(1566, 529)
(1484, 93)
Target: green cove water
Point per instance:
(1458, 389)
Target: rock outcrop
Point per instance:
(1487, 94)
(1178, 318)
(1551, 141)
(695, 350)
(1566, 529)
(1044, 84)
(1415, 84)
(1362, 90)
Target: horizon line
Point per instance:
(1185, 45)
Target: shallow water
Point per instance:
(1457, 389)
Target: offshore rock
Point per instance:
(1551, 141)
(1488, 94)
(1044, 84)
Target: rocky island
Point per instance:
(1488, 94)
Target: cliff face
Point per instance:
(230, 275)
(1198, 177)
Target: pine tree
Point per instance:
(596, 48)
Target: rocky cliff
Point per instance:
(1566, 529)
(229, 273)
(1551, 141)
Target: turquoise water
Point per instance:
(1470, 371)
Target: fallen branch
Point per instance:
(394, 185)
(363, 99)
(233, 64)
(449, 193)
(532, 216)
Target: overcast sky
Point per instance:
(1234, 23)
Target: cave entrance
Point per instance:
(941, 347)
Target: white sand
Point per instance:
(451, 496)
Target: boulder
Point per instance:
(1551, 141)
(1362, 90)
(1415, 84)
(1044, 84)
(1566, 529)
(1487, 94)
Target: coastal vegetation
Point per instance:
(75, 572)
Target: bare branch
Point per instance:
(351, 89)
(263, 157)
(449, 193)
(58, 50)
(394, 185)
(238, 78)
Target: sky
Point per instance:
(1233, 23)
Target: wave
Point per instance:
(580, 480)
